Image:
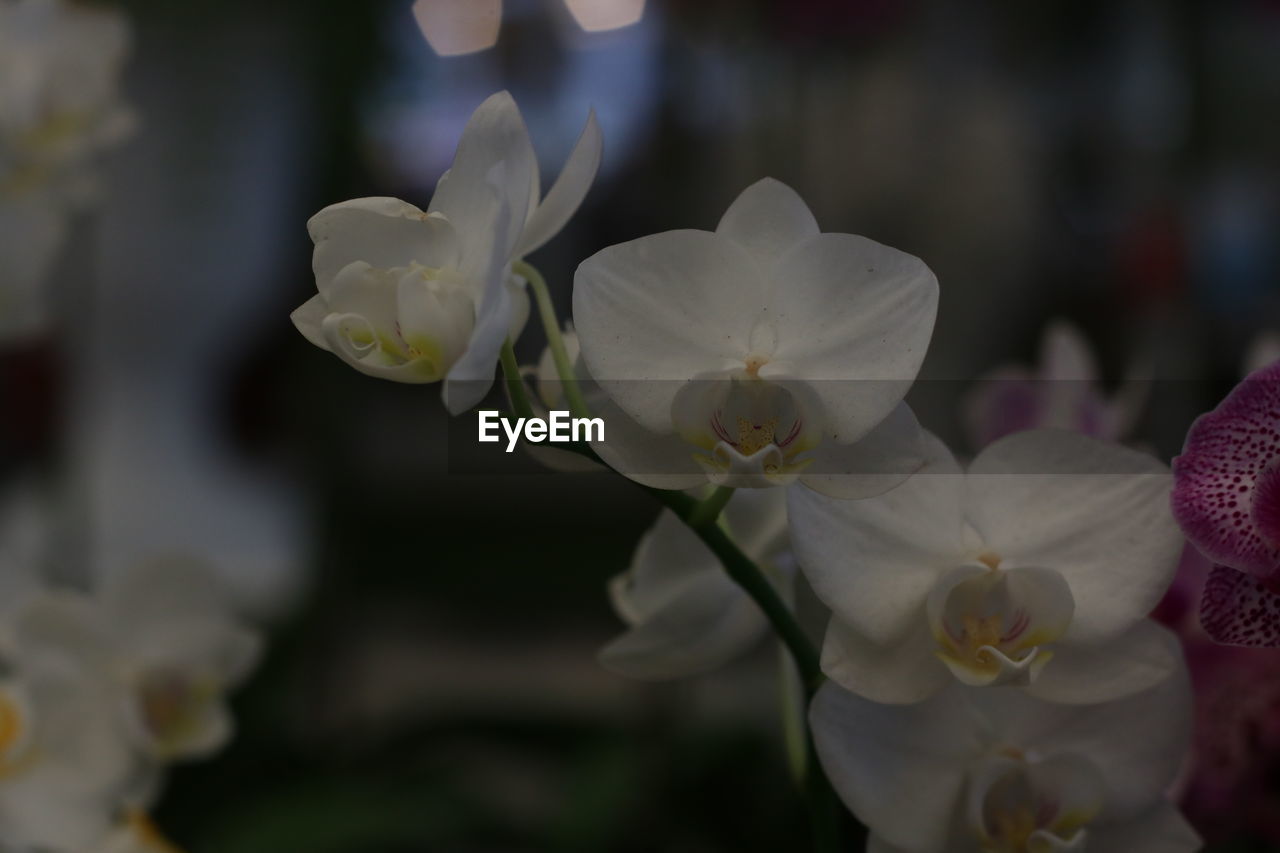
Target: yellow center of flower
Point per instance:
(978, 632)
(753, 437)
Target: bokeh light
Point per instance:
(457, 27)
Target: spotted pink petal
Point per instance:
(1225, 496)
(1238, 609)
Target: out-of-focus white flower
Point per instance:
(64, 766)
(759, 354)
(60, 105)
(686, 616)
(165, 639)
(1063, 392)
(60, 66)
(418, 296)
(1034, 567)
(998, 771)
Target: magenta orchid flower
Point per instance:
(1226, 497)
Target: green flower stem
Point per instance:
(547, 311)
(747, 575)
(740, 568)
(515, 382)
(708, 510)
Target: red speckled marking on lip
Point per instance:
(1237, 609)
(1226, 466)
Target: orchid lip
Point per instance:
(1019, 804)
(750, 431)
(767, 466)
(993, 625)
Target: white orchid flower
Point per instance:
(166, 639)
(65, 767)
(760, 354)
(418, 296)
(685, 615)
(1034, 567)
(998, 771)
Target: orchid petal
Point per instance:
(657, 460)
(879, 461)
(667, 557)
(382, 232)
(1137, 660)
(706, 622)
(566, 194)
(471, 376)
(854, 318)
(655, 312)
(495, 135)
(767, 219)
(1095, 512)
(434, 320)
(757, 521)
(308, 318)
(899, 768)
(899, 672)
(1161, 829)
(1238, 609)
(874, 561)
(1226, 453)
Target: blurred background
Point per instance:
(431, 681)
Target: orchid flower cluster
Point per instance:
(60, 107)
(102, 689)
(988, 679)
